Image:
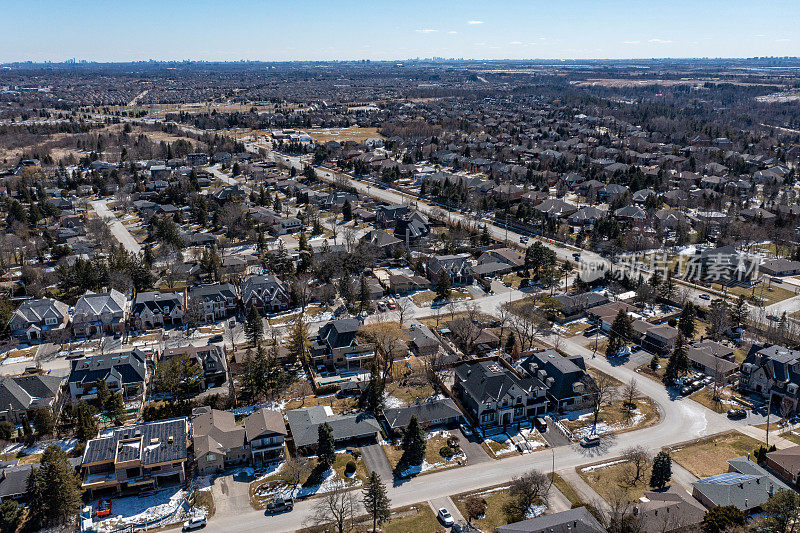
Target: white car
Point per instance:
(445, 517)
(194, 523)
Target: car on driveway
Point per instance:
(445, 517)
(773, 318)
(103, 508)
(736, 414)
(705, 296)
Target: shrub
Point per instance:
(350, 468)
(447, 452)
(327, 389)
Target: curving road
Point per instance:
(118, 230)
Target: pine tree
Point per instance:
(346, 289)
(686, 321)
(376, 501)
(413, 443)
(254, 326)
(662, 470)
(678, 363)
(621, 330)
(55, 488)
(86, 424)
(443, 286)
(303, 241)
(298, 341)
(364, 296)
(116, 408)
(326, 450)
(347, 211)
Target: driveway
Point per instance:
(448, 504)
(231, 494)
(471, 448)
(553, 435)
(375, 461)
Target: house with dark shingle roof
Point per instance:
(745, 486)
(337, 344)
(304, 423)
(441, 412)
(266, 292)
(157, 309)
(785, 464)
(124, 372)
(772, 370)
(40, 319)
(577, 520)
(21, 395)
(564, 378)
(215, 301)
(496, 395)
(98, 313)
(134, 458)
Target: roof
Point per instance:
(14, 480)
(788, 458)
(578, 520)
(158, 442)
(489, 379)
(130, 367)
(399, 417)
(565, 371)
(93, 304)
(340, 333)
(303, 424)
(215, 431)
(669, 510)
(746, 487)
(34, 311)
(264, 421)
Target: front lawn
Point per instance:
(614, 418)
(614, 480)
(433, 461)
(708, 457)
(337, 404)
(418, 518)
(495, 498)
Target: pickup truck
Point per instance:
(280, 505)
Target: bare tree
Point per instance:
(465, 328)
(629, 394)
(602, 391)
(335, 508)
(293, 471)
(405, 308)
(390, 341)
(638, 460)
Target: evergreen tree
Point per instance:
(326, 449)
(686, 322)
(346, 289)
(376, 501)
(43, 419)
(662, 470)
(347, 211)
(55, 488)
(724, 518)
(10, 515)
(254, 326)
(678, 363)
(621, 330)
(303, 241)
(277, 206)
(85, 422)
(298, 341)
(103, 394)
(375, 393)
(443, 286)
(116, 409)
(364, 296)
(413, 443)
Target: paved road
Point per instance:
(118, 230)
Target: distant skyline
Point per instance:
(268, 30)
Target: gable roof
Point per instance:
(484, 380)
(429, 411)
(303, 424)
(578, 520)
(264, 421)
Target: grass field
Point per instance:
(612, 482)
(567, 490)
(709, 456)
(770, 293)
(418, 518)
(427, 297)
(495, 500)
(353, 133)
(619, 419)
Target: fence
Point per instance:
(562, 428)
(163, 520)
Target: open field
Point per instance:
(353, 133)
(708, 457)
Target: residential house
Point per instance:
(668, 510)
(214, 302)
(772, 371)
(713, 359)
(660, 339)
(347, 429)
(386, 216)
(387, 244)
(265, 431)
(745, 486)
(575, 305)
(780, 267)
(785, 464)
(507, 256)
(135, 458)
(265, 292)
(211, 358)
(14, 480)
(401, 284)
(100, 313)
(20, 396)
(412, 227)
(577, 520)
(157, 309)
(432, 413)
(605, 314)
(495, 395)
(422, 341)
(457, 267)
(40, 319)
(565, 379)
(124, 372)
(337, 345)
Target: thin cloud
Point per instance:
(631, 42)
(473, 22)
(452, 32)
(784, 40)
(426, 30)
(659, 41)
(515, 43)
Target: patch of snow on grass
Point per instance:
(135, 510)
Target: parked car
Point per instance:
(465, 429)
(215, 338)
(194, 523)
(705, 296)
(736, 413)
(103, 508)
(280, 505)
(773, 318)
(590, 440)
(540, 423)
(445, 517)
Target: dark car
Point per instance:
(280, 505)
(773, 318)
(736, 413)
(540, 423)
(215, 338)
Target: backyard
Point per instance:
(708, 457)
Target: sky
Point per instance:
(289, 30)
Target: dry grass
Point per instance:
(495, 501)
(353, 133)
(618, 417)
(567, 490)
(614, 481)
(705, 397)
(418, 518)
(337, 405)
(770, 293)
(709, 456)
(432, 455)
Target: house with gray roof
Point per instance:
(41, 319)
(265, 292)
(304, 423)
(457, 267)
(577, 520)
(772, 370)
(21, 395)
(496, 395)
(745, 486)
(134, 458)
(565, 379)
(337, 345)
(215, 301)
(124, 372)
(14, 480)
(100, 313)
(668, 510)
(155, 309)
(440, 412)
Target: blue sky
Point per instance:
(342, 29)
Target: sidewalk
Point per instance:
(586, 493)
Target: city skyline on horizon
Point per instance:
(317, 31)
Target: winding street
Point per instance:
(118, 230)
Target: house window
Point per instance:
(50, 321)
(211, 457)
